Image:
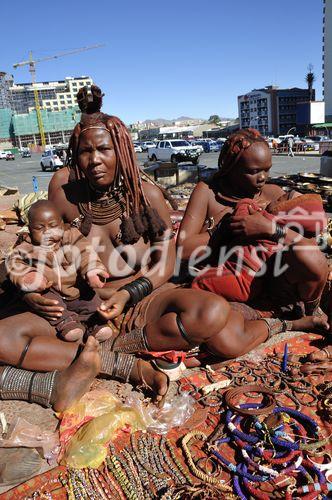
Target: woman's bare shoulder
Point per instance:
(60, 178)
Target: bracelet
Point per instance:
(280, 233)
(238, 391)
(138, 289)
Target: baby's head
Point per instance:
(277, 205)
(45, 224)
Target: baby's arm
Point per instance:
(24, 276)
(34, 282)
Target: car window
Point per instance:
(161, 145)
(180, 143)
(167, 145)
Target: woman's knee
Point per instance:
(210, 314)
(310, 262)
(224, 345)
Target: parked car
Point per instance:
(209, 145)
(137, 147)
(175, 151)
(316, 139)
(10, 156)
(26, 154)
(198, 146)
(147, 144)
(51, 160)
(2, 155)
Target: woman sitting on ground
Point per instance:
(209, 224)
(127, 223)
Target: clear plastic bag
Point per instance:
(175, 412)
(23, 433)
(88, 427)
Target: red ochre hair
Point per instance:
(234, 147)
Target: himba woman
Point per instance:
(210, 223)
(124, 218)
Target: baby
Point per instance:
(50, 260)
(234, 278)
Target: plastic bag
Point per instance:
(88, 427)
(23, 433)
(174, 413)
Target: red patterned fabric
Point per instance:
(237, 278)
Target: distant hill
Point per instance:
(162, 122)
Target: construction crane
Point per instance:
(32, 68)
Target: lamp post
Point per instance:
(293, 128)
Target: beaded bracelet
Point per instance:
(260, 410)
(203, 477)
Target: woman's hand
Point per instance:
(254, 225)
(96, 278)
(113, 307)
(47, 308)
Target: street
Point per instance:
(21, 171)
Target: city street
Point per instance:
(21, 171)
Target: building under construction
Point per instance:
(58, 110)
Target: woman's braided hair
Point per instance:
(234, 147)
(141, 219)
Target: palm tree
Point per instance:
(310, 78)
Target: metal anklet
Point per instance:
(276, 326)
(25, 385)
(116, 364)
(131, 342)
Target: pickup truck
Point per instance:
(175, 150)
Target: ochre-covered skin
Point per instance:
(206, 317)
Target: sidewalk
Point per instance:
(301, 153)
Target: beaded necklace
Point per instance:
(104, 207)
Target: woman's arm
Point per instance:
(190, 235)
(162, 253)
(160, 259)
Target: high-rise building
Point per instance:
(271, 110)
(53, 96)
(59, 110)
(327, 59)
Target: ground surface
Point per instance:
(21, 171)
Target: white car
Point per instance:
(147, 144)
(3, 155)
(137, 148)
(174, 150)
(198, 146)
(51, 160)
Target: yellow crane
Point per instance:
(32, 69)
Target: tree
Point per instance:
(310, 78)
(214, 119)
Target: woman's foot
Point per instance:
(75, 381)
(145, 375)
(321, 355)
(308, 323)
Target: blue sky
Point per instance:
(167, 59)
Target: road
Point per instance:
(20, 171)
